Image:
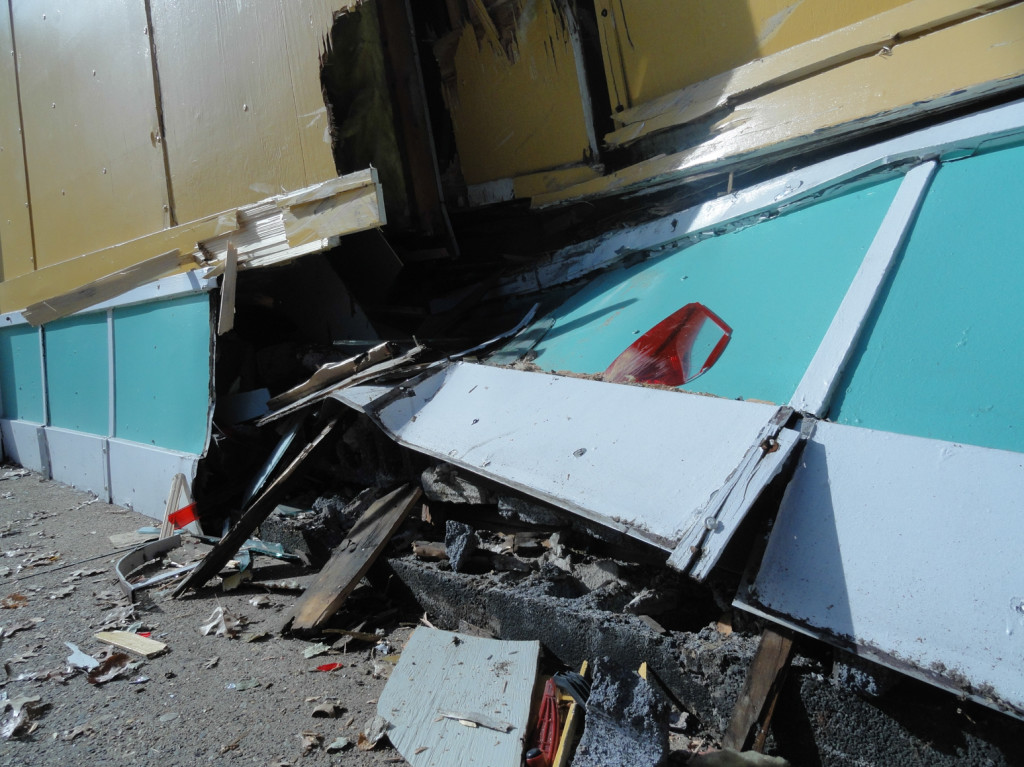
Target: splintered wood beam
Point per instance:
(259, 510)
(226, 315)
(351, 559)
(756, 703)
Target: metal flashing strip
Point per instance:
(957, 138)
(814, 392)
(880, 536)
(642, 461)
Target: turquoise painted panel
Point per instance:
(777, 284)
(78, 373)
(944, 354)
(21, 374)
(162, 373)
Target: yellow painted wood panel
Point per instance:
(95, 166)
(241, 98)
(523, 113)
(966, 61)
(654, 47)
(864, 38)
(16, 256)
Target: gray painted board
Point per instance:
(441, 672)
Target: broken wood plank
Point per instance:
(756, 703)
(333, 372)
(440, 672)
(107, 287)
(226, 316)
(126, 640)
(260, 509)
(351, 559)
(179, 488)
(364, 376)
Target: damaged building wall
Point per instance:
(241, 100)
(694, 87)
(138, 116)
(516, 91)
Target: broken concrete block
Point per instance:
(626, 723)
(444, 484)
(530, 512)
(460, 541)
(652, 602)
(862, 677)
(599, 574)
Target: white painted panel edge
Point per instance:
(905, 550)
(141, 475)
(959, 137)
(78, 459)
(814, 392)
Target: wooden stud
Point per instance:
(756, 703)
(351, 559)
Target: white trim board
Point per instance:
(814, 392)
(954, 139)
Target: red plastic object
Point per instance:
(546, 729)
(330, 666)
(664, 354)
(183, 516)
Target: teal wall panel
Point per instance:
(777, 284)
(943, 356)
(78, 373)
(162, 373)
(21, 375)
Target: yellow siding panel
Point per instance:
(241, 99)
(94, 163)
(966, 61)
(520, 113)
(654, 47)
(865, 38)
(16, 256)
